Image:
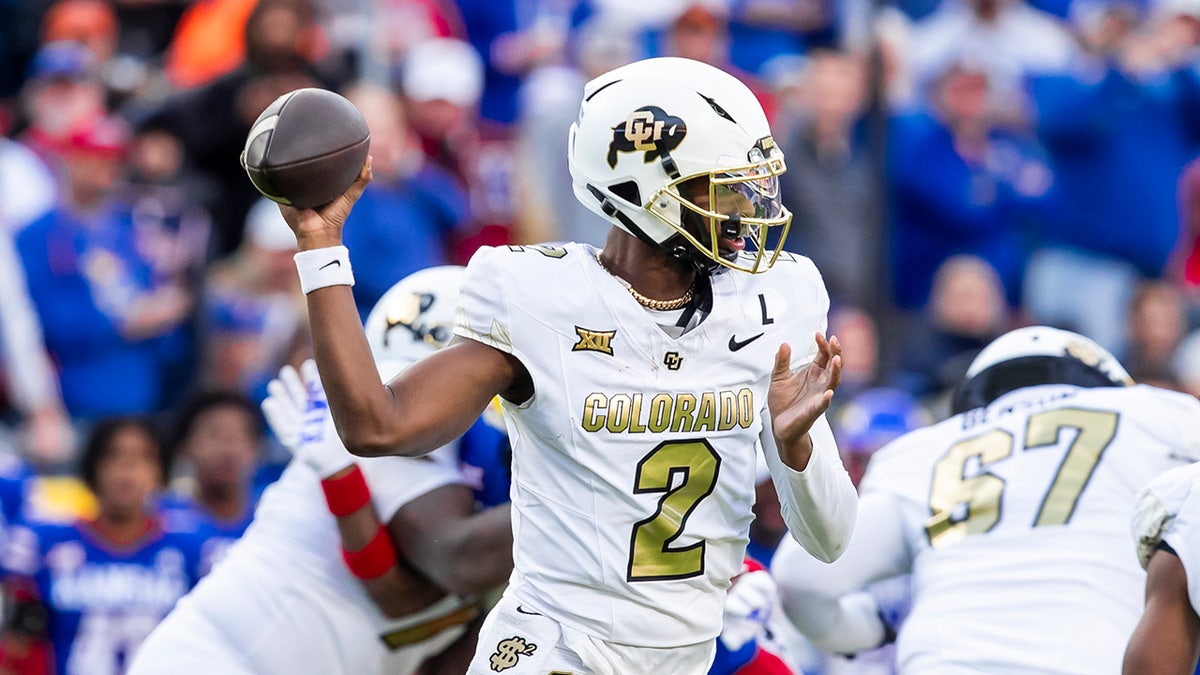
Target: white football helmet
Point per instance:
(1035, 355)
(414, 318)
(646, 129)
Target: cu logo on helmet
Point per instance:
(648, 129)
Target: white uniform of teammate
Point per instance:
(632, 497)
(282, 600)
(1013, 520)
(1168, 512)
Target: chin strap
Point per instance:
(677, 247)
(612, 211)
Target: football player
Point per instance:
(635, 379)
(1167, 640)
(1012, 516)
(315, 585)
(97, 587)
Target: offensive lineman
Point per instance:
(1167, 639)
(290, 597)
(1012, 517)
(635, 380)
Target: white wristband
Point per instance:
(321, 267)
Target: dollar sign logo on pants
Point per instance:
(508, 651)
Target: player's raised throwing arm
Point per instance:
(429, 404)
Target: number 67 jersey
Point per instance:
(1016, 518)
(634, 460)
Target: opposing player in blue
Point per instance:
(103, 584)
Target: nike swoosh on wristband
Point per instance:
(331, 262)
(735, 344)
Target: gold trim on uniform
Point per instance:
(423, 631)
(497, 335)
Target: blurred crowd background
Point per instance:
(956, 168)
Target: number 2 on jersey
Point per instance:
(650, 555)
(963, 505)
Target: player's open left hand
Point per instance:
(797, 398)
(322, 226)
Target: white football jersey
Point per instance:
(283, 601)
(1016, 517)
(1168, 510)
(634, 460)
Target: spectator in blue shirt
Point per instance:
(403, 221)
(1120, 132)
(253, 310)
(105, 320)
(760, 30)
(960, 185)
(514, 37)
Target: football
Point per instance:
(306, 148)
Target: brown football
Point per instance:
(306, 148)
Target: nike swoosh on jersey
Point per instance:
(522, 610)
(735, 344)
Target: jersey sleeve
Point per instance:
(812, 314)
(1176, 414)
(1183, 536)
(822, 600)
(483, 314)
(901, 469)
(818, 504)
(1168, 511)
(396, 481)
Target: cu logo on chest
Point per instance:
(672, 360)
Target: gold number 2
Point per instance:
(651, 556)
(965, 498)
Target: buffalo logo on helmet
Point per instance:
(648, 129)
(407, 311)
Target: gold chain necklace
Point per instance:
(650, 303)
